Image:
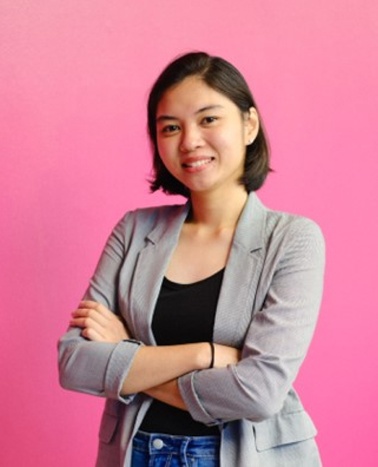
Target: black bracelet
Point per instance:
(132, 341)
(212, 354)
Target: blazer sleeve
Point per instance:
(277, 339)
(99, 368)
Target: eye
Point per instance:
(209, 120)
(168, 129)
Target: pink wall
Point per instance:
(74, 77)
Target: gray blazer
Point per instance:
(268, 307)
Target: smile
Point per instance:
(198, 163)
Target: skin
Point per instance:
(202, 138)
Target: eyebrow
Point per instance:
(162, 118)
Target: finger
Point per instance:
(90, 314)
(78, 322)
(88, 324)
(92, 334)
(93, 305)
(88, 304)
(107, 327)
(98, 307)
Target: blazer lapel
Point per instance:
(150, 269)
(241, 276)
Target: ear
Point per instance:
(252, 126)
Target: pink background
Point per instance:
(74, 77)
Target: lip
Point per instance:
(197, 164)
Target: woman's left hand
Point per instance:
(98, 323)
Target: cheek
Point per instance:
(166, 152)
(230, 141)
(162, 147)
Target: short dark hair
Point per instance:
(223, 77)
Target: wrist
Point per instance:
(205, 358)
(212, 348)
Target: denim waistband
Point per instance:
(158, 443)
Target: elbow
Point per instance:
(66, 376)
(72, 375)
(260, 402)
(263, 394)
(265, 401)
(65, 382)
(253, 408)
(260, 410)
(68, 372)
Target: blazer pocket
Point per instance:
(283, 429)
(108, 425)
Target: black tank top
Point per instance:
(184, 313)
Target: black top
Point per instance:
(184, 313)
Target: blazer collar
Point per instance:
(169, 230)
(248, 234)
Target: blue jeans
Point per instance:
(159, 450)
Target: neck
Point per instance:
(217, 211)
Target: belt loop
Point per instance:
(183, 451)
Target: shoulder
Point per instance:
(278, 230)
(140, 222)
(151, 215)
(292, 225)
(294, 235)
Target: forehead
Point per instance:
(190, 95)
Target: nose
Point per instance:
(191, 139)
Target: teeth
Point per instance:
(198, 163)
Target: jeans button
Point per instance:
(157, 443)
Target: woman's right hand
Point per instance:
(98, 323)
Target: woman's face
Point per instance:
(202, 136)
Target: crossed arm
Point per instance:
(155, 369)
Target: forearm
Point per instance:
(156, 365)
(150, 366)
(168, 393)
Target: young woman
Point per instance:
(198, 316)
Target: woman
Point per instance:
(199, 316)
